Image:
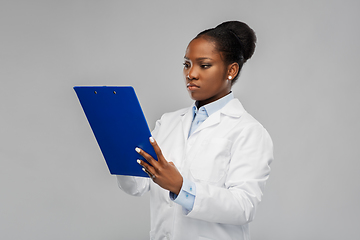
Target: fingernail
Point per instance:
(152, 139)
(143, 169)
(137, 149)
(138, 161)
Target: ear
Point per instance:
(233, 70)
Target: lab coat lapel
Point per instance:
(186, 120)
(232, 109)
(210, 121)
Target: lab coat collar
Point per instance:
(232, 109)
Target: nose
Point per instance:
(191, 74)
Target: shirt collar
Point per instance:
(212, 107)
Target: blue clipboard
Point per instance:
(119, 125)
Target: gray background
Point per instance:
(302, 85)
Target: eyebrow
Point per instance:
(199, 59)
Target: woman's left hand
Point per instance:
(162, 172)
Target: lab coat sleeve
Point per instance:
(136, 186)
(236, 203)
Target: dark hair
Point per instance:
(234, 40)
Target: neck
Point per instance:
(201, 103)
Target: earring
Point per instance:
(230, 77)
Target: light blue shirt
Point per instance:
(186, 197)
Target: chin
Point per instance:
(195, 98)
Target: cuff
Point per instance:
(186, 197)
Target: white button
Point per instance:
(168, 235)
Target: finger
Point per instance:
(157, 150)
(149, 173)
(147, 156)
(146, 166)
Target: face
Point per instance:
(205, 73)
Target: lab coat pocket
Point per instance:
(212, 160)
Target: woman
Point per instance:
(213, 158)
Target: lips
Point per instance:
(192, 86)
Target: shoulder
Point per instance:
(240, 120)
(175, 114)
(235, 110)
(169, 121)
(172, 118)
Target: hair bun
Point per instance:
(244, 33)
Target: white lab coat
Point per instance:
(227, 157)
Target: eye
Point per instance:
(186, 65)
(205, 66)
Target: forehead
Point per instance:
(201, 48)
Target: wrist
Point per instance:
(178, 187)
